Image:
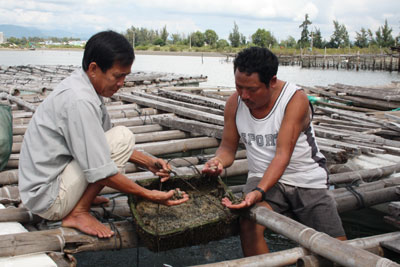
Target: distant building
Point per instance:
(77, 43)
(1, 38)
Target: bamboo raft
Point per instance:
(380, 62)
(384, 62)
(356, 130)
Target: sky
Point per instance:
(281, 17)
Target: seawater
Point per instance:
(220, 74)
(218, 70)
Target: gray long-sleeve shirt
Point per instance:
(69, 124)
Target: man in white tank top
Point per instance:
(287, 172)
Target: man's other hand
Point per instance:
(213, 167)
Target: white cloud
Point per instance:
(251, 8)
(281, 17)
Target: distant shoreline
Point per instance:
(137, 52)
(178, 53)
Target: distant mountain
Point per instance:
(21, 31)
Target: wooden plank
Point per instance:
(182, 111)
(366, 92)
(342, 106)
(191, 126)
(359, 116)
(343, 134)
(195, 99)
(351, 148)
(182, 103)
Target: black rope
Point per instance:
(116, 234)
(357, 195)
(191, 165)
(195, 169)
(145, 116)
(109, 217)
(201, 159)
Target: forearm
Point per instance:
(123, 184)
(273, 173)
(141, 159)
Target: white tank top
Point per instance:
(307, 167)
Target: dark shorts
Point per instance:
(312, 207)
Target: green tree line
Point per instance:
(34, 41)
(310, 37)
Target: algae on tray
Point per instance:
(199, 220)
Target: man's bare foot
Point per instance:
(100, 200)
(86, 223)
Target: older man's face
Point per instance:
(109, 82)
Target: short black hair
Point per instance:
(257, 60)
(106, 48)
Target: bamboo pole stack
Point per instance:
(189, 121)
(41, 79)
(386, 62)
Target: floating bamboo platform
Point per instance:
(379, 62)
(383, 62)
(357, 130)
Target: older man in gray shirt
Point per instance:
(70, 152)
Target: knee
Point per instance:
(125, 133)
(121, 142)
(120, 134)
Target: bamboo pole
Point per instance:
(10, 194)
(317, 242)
(67, 240)
(291, 256)
(186, 112)
(9, 177)
(117, 207)
(365, 187)
(129, 113)
(191, 126)
(143, 120)
(139, 138)
(341, 106)
(358, 116)
(195, 99)
(391, 94)
(367, 199)
(366, 174)
(156, 148)
(20, 102)
(183, 103)
(173, 146)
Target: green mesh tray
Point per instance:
(199, 220)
